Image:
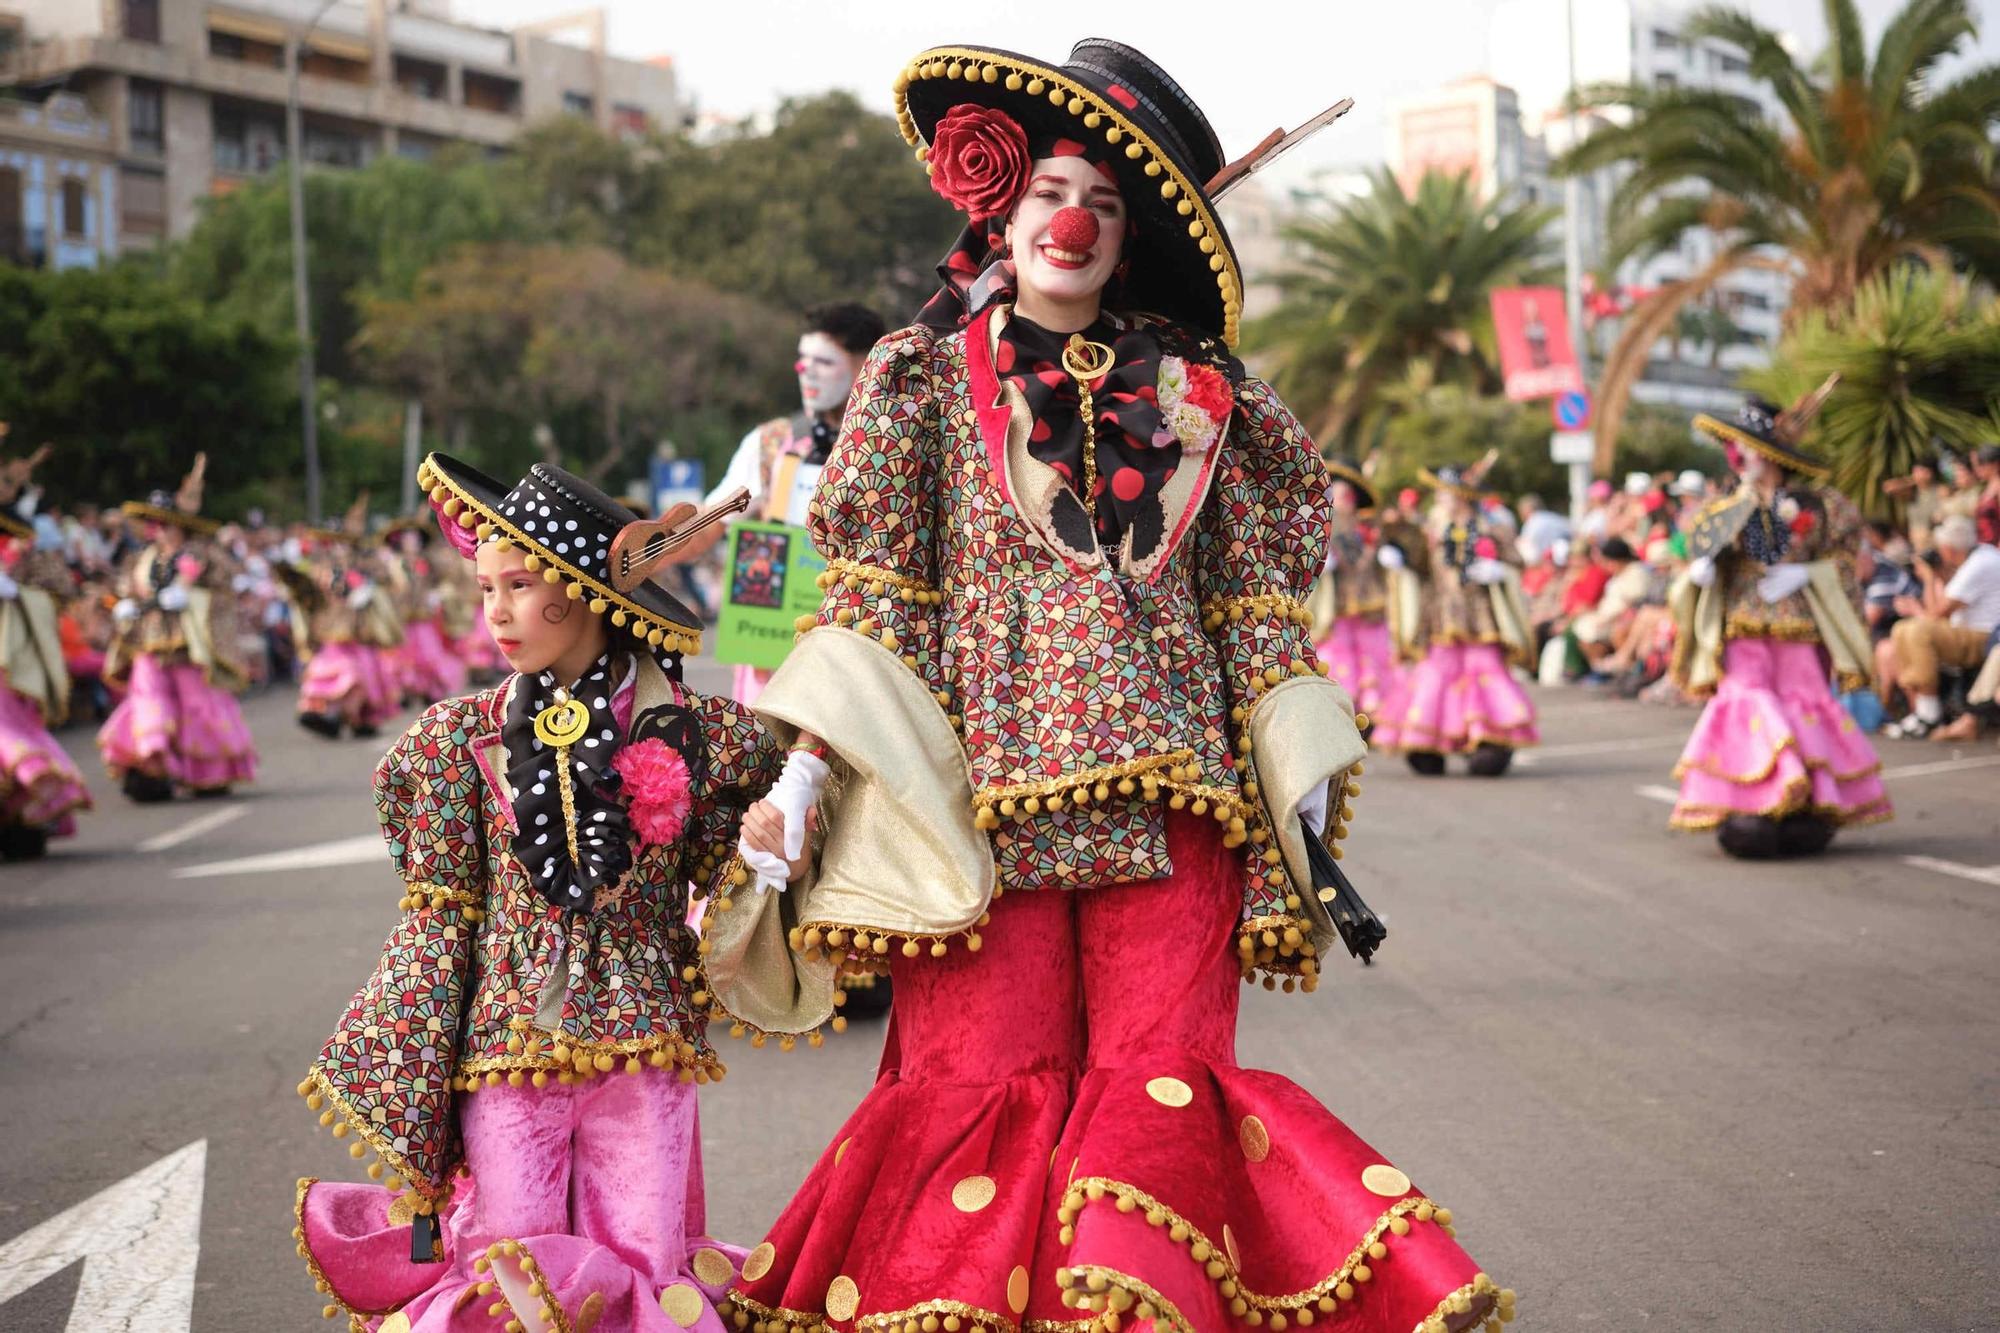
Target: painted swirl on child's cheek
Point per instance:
(557, 612)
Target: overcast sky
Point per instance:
(1252, 65)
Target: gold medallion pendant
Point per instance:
(562, 724)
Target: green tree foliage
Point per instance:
(1389, 287)
(128, 380)
(827, 206)
(1876, 161)
(609, 356)
(1918, 357)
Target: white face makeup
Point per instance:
(826, 373)
(1046, 269)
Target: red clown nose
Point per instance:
(1073, 228)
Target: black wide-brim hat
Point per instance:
(1161, 147)
(565, 525)
(1347, 471)
(163, 511)
(1762, 428)
(15, 528)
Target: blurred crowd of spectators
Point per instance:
(1930, 585)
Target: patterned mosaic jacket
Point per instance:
(483, 979)
(1357, 577)
(1084, 700)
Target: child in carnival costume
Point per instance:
(1765, 614)
(346, 624)
(1352, 624)
(524, 1059)
(40, 787)
(429, 667)
(1084, 751)
(1456, 612)
(175, 655)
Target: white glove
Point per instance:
(361, 596)
(795, 792)
(1390, 557)
(1701, 571)
(1781, 581)
(9, 589)
(1312, 808)
(125, 610)
(1486, 570)
(173, 597)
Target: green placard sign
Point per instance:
(772, 579)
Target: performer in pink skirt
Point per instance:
(1456, 611)
(524, 1060)
(174, 654)
(429, 667)
(1766, 615)
(40, 787)
(1356, 645)
(347, 624)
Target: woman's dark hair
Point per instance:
(855, 327)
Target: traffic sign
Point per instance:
(1572, 446)
(677, 481)
(1571, 410)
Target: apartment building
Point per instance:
(155, 105)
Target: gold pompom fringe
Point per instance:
(357, 1320)
(1105, 1292)
(1220, 611)
(704, 998)
(553, 1315)
(535, 1057)
(426, 895)
(414, 1195)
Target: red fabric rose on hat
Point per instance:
(979, 160)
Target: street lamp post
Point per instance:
(1579, 473)
(301, 288)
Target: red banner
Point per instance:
(1536, 356)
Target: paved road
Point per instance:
(1660, 1089)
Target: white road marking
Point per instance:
(353, 851)
(1659, 793)
(194, 828)
(1942, 766)
(139, 1241)
(1977, 874)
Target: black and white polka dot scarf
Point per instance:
(603, 833)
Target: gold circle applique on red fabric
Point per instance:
(973, 1193)
(1385, 1180)
(1170, 1092)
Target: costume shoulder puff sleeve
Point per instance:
(741, 761)
(877, 511)
(427, 798)
(1260, 547)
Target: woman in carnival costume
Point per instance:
(1457, 613)
(347, 625)
(524, 1059)
(1355, 644)
(428, 666)
(1063, 655)
(40, 787)
(1765, 614)
(174, 654)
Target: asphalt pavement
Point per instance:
(1659, 1088)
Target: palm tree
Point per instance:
(1876, 164)
(1918, 355)
(1389, 286)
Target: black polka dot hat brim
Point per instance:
(565, 527)
(1160, 145)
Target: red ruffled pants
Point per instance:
(1060, 1137)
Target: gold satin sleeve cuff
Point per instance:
(900, 857)
(1302, 735)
